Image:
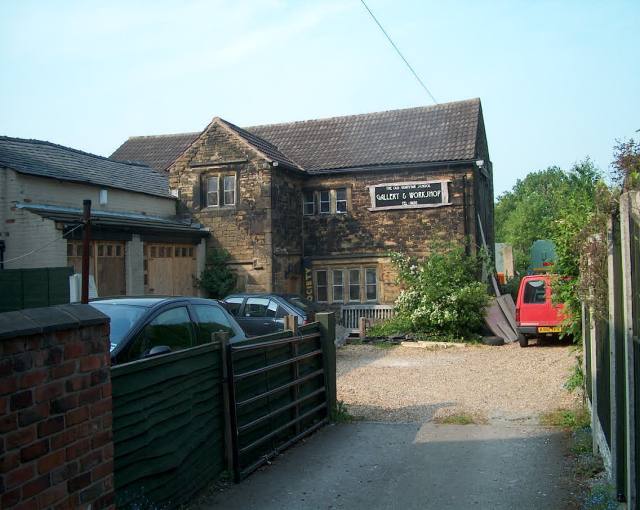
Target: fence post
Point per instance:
(593, 346)
(363, 322)
(627, 251)
(291, 324)
(616, 356)
(223, 338)
(328, 338)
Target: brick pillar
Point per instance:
(56, 448)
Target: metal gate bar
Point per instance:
(302, 420)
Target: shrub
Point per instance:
(217, 279)
(442, 296)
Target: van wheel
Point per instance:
(524, 341)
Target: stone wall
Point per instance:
(56, 445)
(244, 229)
(375, 233)
(268, 236)
(286, 199)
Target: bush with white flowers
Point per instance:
(441, 297)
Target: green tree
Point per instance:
(570, 208)
(530, 210)
(217, 279)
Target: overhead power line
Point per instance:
(399, 52)
(43, 246)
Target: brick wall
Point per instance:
(55, 401)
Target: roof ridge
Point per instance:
(245, 135)
(70, 149)
(366, 114)
(190, 133)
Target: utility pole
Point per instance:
(86, 239)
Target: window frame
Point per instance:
(358, 285)
(345, 200)
(366, 271)
(209, 179)
(349, 284)
(306, 194)
(334, 272)
(221, 179)
(226, 177)
(325, 286)
(328, 201)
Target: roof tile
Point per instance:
(46, 159)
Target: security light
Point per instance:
(480, 163)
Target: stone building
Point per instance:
(139, 245)
(315, 207)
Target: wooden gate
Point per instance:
(170, 269)
(108, 268)
(279, 390)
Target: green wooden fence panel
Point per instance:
(33, 288)
(168, 427)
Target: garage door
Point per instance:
(108, 268)
(170, 269)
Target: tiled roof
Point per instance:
(428, 134)
(267, 148)
(156, 151)
(445, 132)
(46, 159)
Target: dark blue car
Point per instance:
(147, 326)
(261, 314)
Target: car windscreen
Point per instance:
(303, 304)
(534, 292)
(123, 318)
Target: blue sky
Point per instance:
(559, 81)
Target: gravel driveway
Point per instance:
(493, 384)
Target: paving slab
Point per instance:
(367, 465)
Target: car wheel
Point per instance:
(523, 340)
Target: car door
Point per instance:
(211, 318)
(259, 316)
(170, 327)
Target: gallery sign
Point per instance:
(409, 195)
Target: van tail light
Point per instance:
(517, 314)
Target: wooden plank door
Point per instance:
(170, 269)
(110, 268)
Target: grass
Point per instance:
(458, 419)
(581, 442)
(566, 418)
(340, 413)
(600, 497)
(385, 345)
(576, 378)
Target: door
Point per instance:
(261, 316)
(170, 269)
(107, 268)
(171, 328)
(110, 268)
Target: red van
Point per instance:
(536, 315)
